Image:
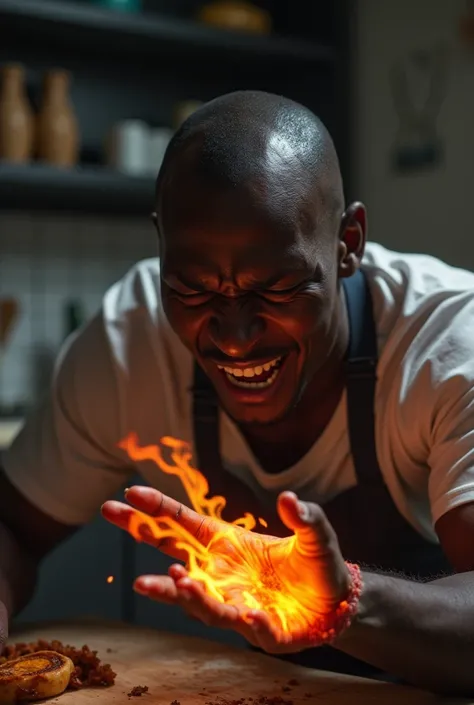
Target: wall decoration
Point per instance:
(418, 85)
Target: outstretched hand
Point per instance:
(267, 589)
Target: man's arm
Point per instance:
(26, 536)
(423, 632)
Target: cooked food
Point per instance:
(43, 674)
(89, 670)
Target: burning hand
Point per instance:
(272, 591)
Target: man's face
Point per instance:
(252, 292)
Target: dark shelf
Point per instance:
(86, 190)
(131, 36)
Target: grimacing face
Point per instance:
(256, 300)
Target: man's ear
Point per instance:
(352, 238)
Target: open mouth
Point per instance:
(257, 377)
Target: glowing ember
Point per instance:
(110, 579)
(237, 567)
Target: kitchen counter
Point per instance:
(192, 671)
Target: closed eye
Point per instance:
(194, 298)
(282, 294)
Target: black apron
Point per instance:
(370, 529)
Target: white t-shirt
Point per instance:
(127, 371)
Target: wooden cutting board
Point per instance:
(195, 671)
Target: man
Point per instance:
(258, 339)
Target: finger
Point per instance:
(177, 572)
(159, 505)
(196, 601)
(264, 634)
(121, 515)
(315, 535)
(117, 513)
(161, 588)
(198, 606)
(208, 610)
(124, 516)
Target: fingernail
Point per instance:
(127, 489)
(303, 511)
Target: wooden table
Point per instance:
(198, 672)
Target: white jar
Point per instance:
(128, 148)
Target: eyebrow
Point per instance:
(297, 276)
(185, 282)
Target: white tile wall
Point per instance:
(46, 259)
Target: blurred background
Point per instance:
(90, 94)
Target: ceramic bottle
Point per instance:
(58, 131)
(16, 116)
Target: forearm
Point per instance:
(422, 633)
(18, 572)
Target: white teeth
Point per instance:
(253, 385)
(250, 371)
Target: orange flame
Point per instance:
(110, 579)
(235, 567)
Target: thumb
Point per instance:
(314, 534)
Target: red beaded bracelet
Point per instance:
(329, 627)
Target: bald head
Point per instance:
(251, 140)
(252, 248)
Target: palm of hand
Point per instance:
(253, 571)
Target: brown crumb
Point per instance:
(308, 695)
(261, 700)
(293, 681)
(89, 669)
(137, 691)
(286, 688)
(175, 702)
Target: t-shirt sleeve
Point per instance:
(451, 457)
(65, 460)
(449, 426)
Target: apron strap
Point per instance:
(207, 447)
(361, 379)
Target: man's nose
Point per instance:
(236, 331)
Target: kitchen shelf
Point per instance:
(132, 36)
(89, 190)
